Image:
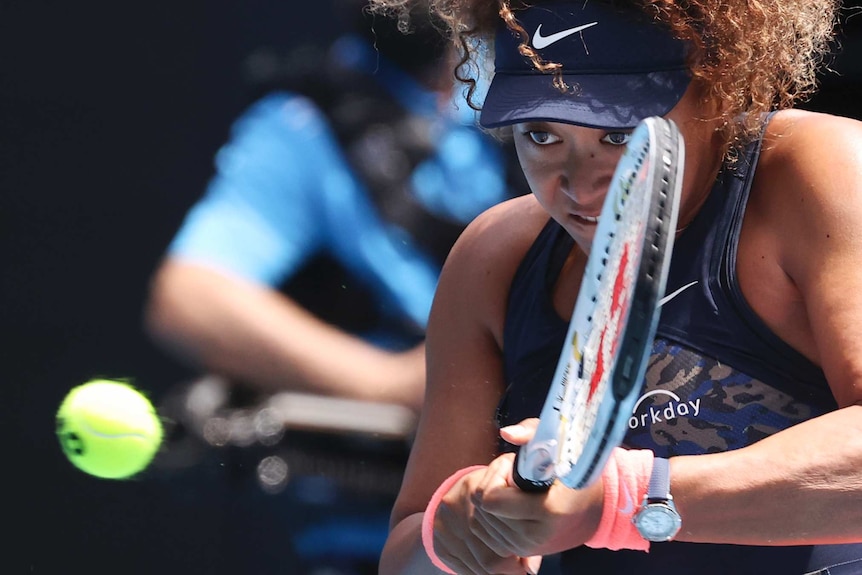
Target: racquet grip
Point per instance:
(528, 485)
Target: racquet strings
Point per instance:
(612, 282)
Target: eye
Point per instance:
(542, 138)
(617, 138)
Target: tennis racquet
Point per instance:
(601, 368)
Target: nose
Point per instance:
(586, 175)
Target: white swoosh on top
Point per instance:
(540, 41)
(670, 296)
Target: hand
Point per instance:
(531, 524)
(461, 542)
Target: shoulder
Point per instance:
(807, 143)
(807, 183)
(501, 234)
(807, 199)
(479, 270)
(283, 132)
(810, 164)
(285, 112)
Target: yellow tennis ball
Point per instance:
(108, 429)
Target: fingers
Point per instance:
(491, 530)
(511, 565)
(498, 534)
(497, 493)
(531, 564)
(497, 537)
(468, 556)
(478, 560)
(520, 433)
(504, 517)
(485, 524)
(461, 541)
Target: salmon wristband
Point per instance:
(625, 481)
(431, 511)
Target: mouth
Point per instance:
(588, 220)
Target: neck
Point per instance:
(704, 160)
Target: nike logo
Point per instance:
(540, 41)
(628, 507)
(670, 296)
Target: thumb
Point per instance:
(520, 433)
(532, 564)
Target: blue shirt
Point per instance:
(283, 192)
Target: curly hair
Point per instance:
(749, 56)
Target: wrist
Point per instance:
(625, 481)
(658, 519)
(431, 512)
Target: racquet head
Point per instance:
(601, 368)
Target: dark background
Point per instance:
(110, 114)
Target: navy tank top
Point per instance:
(718, 378)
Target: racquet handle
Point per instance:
(529, 485)
(524, 478)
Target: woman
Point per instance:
(754, 388)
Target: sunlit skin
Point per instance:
(797, 267)
(795, 243)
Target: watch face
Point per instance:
(657, 522)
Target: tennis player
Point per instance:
(750, 422)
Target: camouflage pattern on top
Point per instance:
(693, 404)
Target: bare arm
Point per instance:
(403, 552)
(259, 336)
(457, 426)
(799, 268)
(804, 484)
(799, 486)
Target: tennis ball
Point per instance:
(108, 429)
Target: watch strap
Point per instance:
(659, 481)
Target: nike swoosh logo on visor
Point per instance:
(540, 41)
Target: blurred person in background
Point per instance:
(310, 262)
(364, 170)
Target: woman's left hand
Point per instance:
(532, 524)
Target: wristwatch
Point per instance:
(658, 519)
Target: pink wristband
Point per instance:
(431, 511)
(625, 481)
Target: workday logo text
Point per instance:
(654, 414)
